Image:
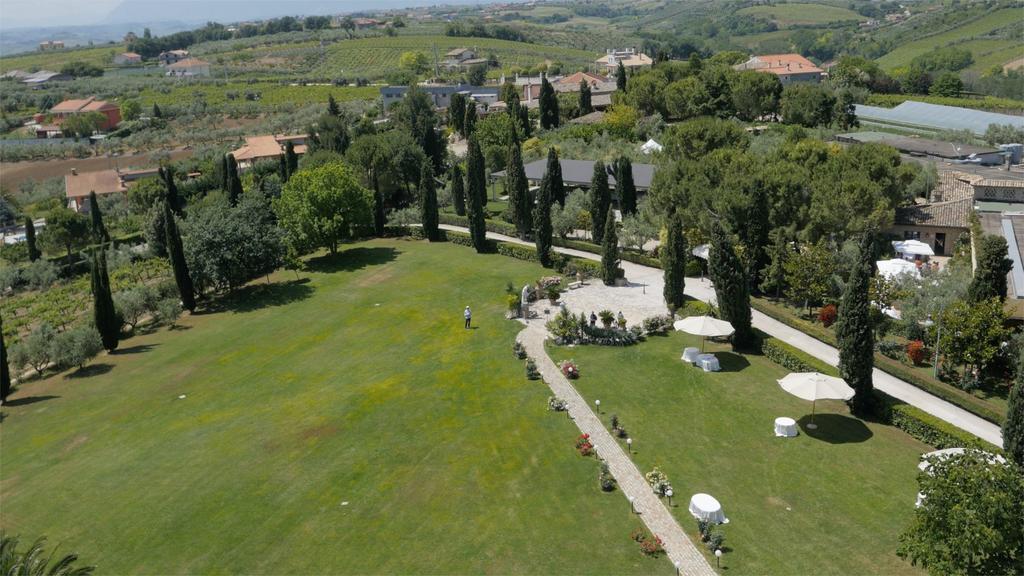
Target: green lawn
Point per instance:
(831, 502)
(55, 59)
(903, 54)
(358, 385)
(802, 14)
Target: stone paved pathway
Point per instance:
(631, 483)
(651, 281)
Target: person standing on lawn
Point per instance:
(468, 315)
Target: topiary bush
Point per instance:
(916, 352)
(827, 315)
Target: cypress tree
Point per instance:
(600, 201)
(673, 262)
(548, 103)
(457, 113)
(731, 288)
(625, 188)
(282, 169)
(469, 123)
(554, 171)
(99, 231)
(156, 112)
(171, 189)
(104, 314)
(620, 78)
(30, 240)
(176, 253)
(518, 191)
(332, 106)
(584, 103)
(5, 373)
(458, 190)
(542, 230)
(610, 251)
(993, 266)
(225, 174)
(524, 121)
(234, 188)
(477, 195)
(428, 202)
(854, 335)
(291, 157)
(1013, 426)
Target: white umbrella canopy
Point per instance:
(926, 459)
(703, 326)
(815, 386)
(702, 251)
(896, 267)
(912, 248)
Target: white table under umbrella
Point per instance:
(912, 248)
(704, 326)
(896, 267)
(815, 386)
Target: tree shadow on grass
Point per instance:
(137, 349)
(90, 370)
(353, 259)
(257, 296)
(731, 361)
(836, 429)
(25, 401)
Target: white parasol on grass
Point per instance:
(704, 326)
(815, 386)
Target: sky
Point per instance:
(21, 13)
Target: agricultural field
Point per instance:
(992, 53)
(54, 60)
(340, 423)
(992, 22)
(787, 15)
(375, 57)
(270, 93)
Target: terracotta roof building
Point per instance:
(110, 111)
(265, 147)
(630, 58)
(943, 218)
(189, 67)
(789, 68)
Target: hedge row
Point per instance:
(567, 265)
(912, 420)
(964, 400)
(496, 226)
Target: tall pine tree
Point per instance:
(234, 187)
(99, 231)
(543, 230)
(610, 251)
(104, 314)
(1013, 426)
(518, 191)
(554, 172)
(5, 372)
(625, 188)
(854, 335)
(30, 240)
(428, 202)
(476, 191)
(176, 254)
(548, 104)
(469, 123)
(731, 288)
(673, 262)
(291, 157)
(458, 190)
(620, 78)
(584, 101)
(600, 201)
(993, 266)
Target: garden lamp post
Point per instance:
(928, 323)
(718, 557)
(632, 505)
(668, 494)
(629, 445)
(679, 566)
(597, 403)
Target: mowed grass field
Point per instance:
(988, 23)
(830, 502)
(343, 424)
(801, 14)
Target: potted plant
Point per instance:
(607, 318)
(553, 294)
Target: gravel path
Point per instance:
(631, 483)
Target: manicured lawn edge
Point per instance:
(912, 420)
(948, 393)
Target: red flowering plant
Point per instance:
(649, 545)
(569, 369)
(916, 352)
(827, 315)
(583, 445)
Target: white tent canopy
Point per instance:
(702, 251)
(651, 146)
(815, 386)
(890, 269)
(912, 248)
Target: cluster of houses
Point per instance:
(176, 63)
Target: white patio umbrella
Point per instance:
(950, 452)
(650, 146)
(893, 268)
(815, 386)
(702, 251)
(912, 248)
(703, 326)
